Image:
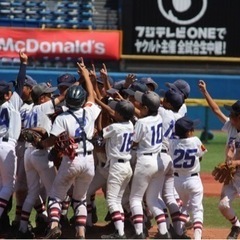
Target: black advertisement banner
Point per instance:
(181, 28)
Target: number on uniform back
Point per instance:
(185, 158)
(127, 142)
(156, 134)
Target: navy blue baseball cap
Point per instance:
(136, 86)
(124, 107)
(180, 85)
(29, 81)
(149, 99)
(174, 97)
(100, 80)
(148, 81)
(66, 80)
(184, 125)
(235, 108)
(5, 87)
(119, 84)
(40, 89)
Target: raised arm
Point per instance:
(104, 76)
(22, 73)
(211, 103)
(93, 77)
(82, 70)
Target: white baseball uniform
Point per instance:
(183, 110)
(168, 193)
(78, 171)
(21, 187)
(232, 190)
(21, 181)
(38, 168)
(118, 145)
(185, 154)
(99, 180)
(148, 170)
(10, 128)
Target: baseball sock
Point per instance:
(235, 222)
(161, 222)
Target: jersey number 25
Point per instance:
(184, 158)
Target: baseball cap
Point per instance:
(119, 84)
(100, 80)
(174, 97)
(112, 91)
(41, 89)
(124, 107)
(235, 108)
(66, 80)
(5, 87)
(185, 124)
(149, 99)
(181, 85)
(149, 80)
(136, 86)
(29, 81)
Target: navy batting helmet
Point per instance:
(75, 97)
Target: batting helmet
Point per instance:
(75, 97)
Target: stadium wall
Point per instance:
(224, 87)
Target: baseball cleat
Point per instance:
(53, 233)
(234, 232)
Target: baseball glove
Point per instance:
(66, 145)
(32, 136)
(223, 173)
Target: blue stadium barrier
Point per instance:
(219, 86)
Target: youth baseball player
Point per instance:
(171, 104)
(118, 138)
(38, 168)
(232, 127)
(148, 139)
(78, 122)
(10, 127)
(21, 182)
(101, 171)
(182, 86)
(186, 151)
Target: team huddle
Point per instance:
(123, 137)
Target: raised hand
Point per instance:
(202, 86)
(82, 70)
(129, 80)
(92, 73)
(103, 72)
(23, 57)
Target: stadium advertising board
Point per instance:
(184, 28)
(63, 43)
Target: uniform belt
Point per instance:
(81, 153)
(192, 175)
(163, 151)
(121, 160)
(4, 139)
(148, 154)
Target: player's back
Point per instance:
(148, 134)
(119, 140)
(186, 154)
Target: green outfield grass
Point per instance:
(215, 154)
(212, 217)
